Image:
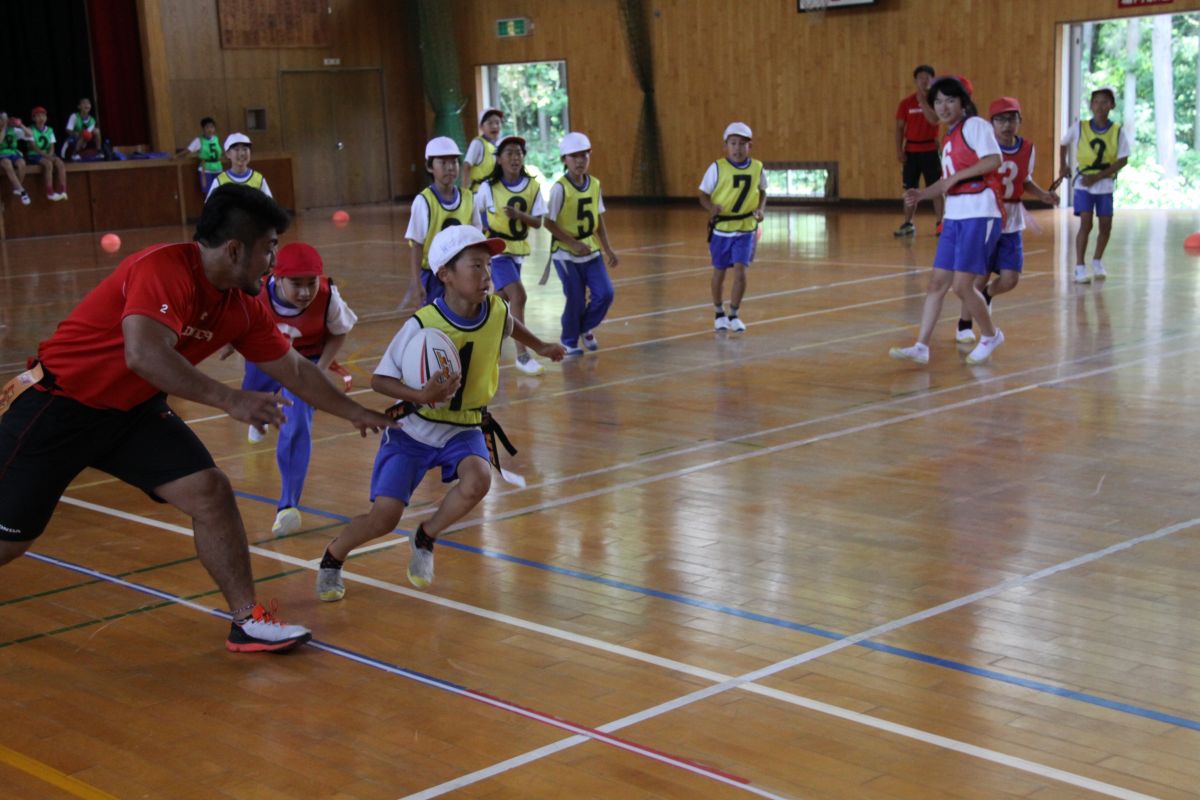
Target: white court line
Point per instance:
(56, 272)
(779, 448)
(734, 683)
(723, 682)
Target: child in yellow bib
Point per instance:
(480, 159)
(576, 220)
(439, 206)
(1102, 149)
(510, 201)
(477, 321)
(734, 193)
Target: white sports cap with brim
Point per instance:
(236, 138)
(574, 142)
(486, 111)
(737, 129)
(453, 240)
(1112, 92)
(442, 146)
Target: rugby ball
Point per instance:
(426, 355)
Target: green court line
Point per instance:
(139, 610)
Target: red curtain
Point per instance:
(120, 101)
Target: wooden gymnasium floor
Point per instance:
(775, 565)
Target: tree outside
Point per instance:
(534, 100)
(1153, 65)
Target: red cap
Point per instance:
(37, 110)
(1003, 105)
(298, 260)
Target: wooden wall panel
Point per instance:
(813, 88)
(204, 79)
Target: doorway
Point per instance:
(333, 126)
(533, 96)
(1152, 64)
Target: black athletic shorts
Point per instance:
(46, 440)
(918, 165)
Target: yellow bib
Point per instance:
(1097, 151)
(514, 232)
(441, 217)
(737, 193)
(479, 351)
(579, 213)
(255, 181)
(483, 170)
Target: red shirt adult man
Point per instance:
(100, 398)
(917, 145)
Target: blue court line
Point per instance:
(527, 712)
(913, 655)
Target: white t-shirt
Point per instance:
(1105, 185)
(1014, 213)
(708, 185)
(418, 220)
(558, 196)
(485, 204)
(265, 189)
(981, 138)
(339, 317)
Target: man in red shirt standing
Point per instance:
(917, 145)
(96, 395)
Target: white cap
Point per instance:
(441, 146)
(574, 142)
(737, 129)
(1112, 92)
(236, 138)
(490, 110)
(453, 240)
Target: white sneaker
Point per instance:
(25, 200)
(589, 341)
(965, 336)
(54, 197)
(1081, 274)
(1098, 270)
(983, 350)
(918, 353)
(330, 587)
(736, 325)
(420, 564)
(721, 323)
(254, 436)
(529, 365)
(287, 522)
(264, 633)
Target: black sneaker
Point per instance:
(907, 229)
(263, 633)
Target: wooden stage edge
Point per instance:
(167, 191)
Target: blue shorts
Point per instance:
(505, 270)
(967, 245)
(1009, 253)
(14, 158)
(433, 286)
(729, 250)
(402, 461)
(35, 158)
(1087, 203)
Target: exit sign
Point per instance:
(518, 26)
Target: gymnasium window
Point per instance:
(802, 181)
